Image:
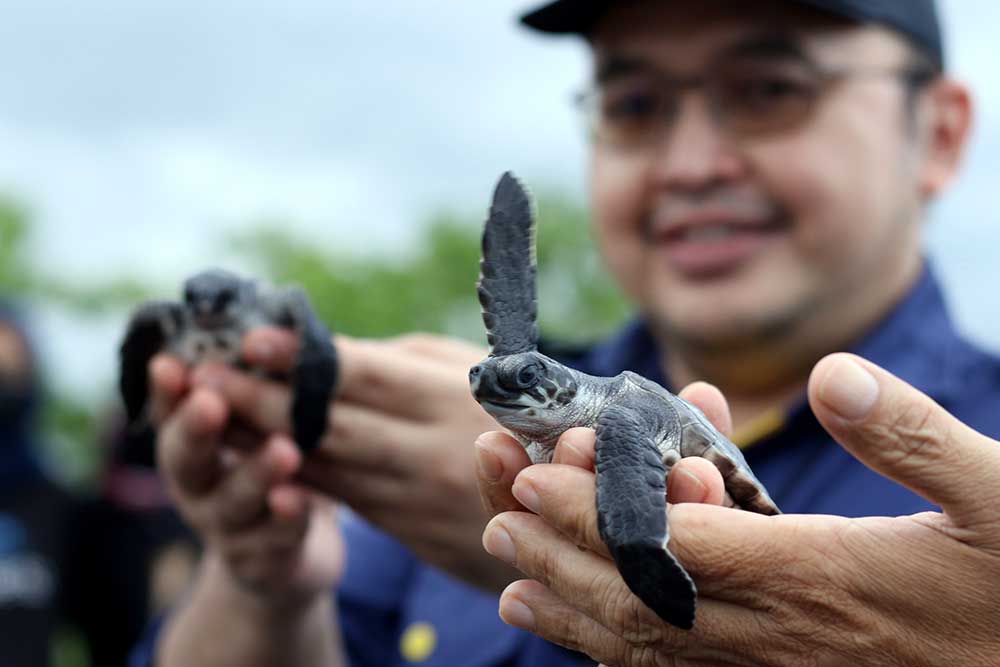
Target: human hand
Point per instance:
(398, 446)
(263, 533)
(788, 589)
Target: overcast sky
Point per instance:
(139, 132)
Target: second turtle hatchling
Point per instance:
(217, 310)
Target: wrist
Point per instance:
(271, 605)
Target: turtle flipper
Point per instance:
(632, 516)
(315, 374)
(507, 271)
(148, 330)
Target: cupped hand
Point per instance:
(398, 447)
(234, 486)
(788, 589)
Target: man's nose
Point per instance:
(696, 152)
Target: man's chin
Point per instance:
(714, 327)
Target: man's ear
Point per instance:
(944, 123)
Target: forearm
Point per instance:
(223, 625)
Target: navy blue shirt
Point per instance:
(398, 611)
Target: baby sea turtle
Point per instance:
(642, 429)
(218, 308)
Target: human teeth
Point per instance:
(707, 233)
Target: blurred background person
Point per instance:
(33, 510)
(131, 556)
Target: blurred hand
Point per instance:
(399, 446)
(268, 535)
(789, 589)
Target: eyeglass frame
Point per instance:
(913, 75)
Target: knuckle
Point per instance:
(914, 432)
(627, 616)
(582, 527)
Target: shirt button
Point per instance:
(418, 642)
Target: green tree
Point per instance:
(431, 288)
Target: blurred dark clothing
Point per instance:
(131, 553)
(33, 516)
(103, 564)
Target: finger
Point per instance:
(271, 348)
(242, 496)
(188, 445)
(499, 457)
(591, 584)
(260, 403)
(439, 348)
(695, 480)
(168, 380)
(363, 437)
(725, 550)
(382, 377)
(529, 605)
(367, 490)
(288, 502)
(575, 447)
(719, 550)
(564, 496)
(901, 433)
(709, 399)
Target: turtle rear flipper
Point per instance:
(314, 376)
(148, 330)
(632, 517)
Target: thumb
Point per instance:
(901, 433)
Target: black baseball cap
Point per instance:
(915, 19)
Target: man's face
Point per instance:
(724, 234)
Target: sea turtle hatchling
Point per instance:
(218, 308)
(642, 429)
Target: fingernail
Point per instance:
(497, 543)
(516, 613)
(849, 389)
(490, 467)
(526, 495)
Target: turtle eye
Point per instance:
(529, 376)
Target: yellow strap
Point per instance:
(763, 425)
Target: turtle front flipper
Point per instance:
(632, 516)
(507, 289)
(150, 326)
(314, 377)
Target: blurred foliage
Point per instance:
(428, 288)
(431, 288)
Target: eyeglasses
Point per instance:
(745, 99)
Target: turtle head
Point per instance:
(528, 392)
(215, 297)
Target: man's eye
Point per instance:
(766, 92)
(630, 105)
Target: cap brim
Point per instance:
(566, 16)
